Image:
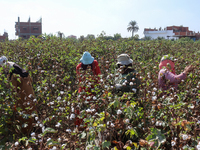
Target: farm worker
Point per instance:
(126, 79)
(87, 72)
(24, 90)
(167, 76)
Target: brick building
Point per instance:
(172, 32)
(27, 29)
(4, 36)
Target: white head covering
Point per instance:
(3, 60)
(124, 59)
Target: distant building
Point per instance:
(4, 36)
(27, 29)
(172, 32)
(72, 36)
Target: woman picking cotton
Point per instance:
(87, 73)
(125, 78)
(167, 77)
(23, 87)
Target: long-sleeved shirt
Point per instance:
(167, 79)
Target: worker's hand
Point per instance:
(188, 69)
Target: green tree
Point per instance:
(132, 27)
(117, 36)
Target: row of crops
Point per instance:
(121, 122)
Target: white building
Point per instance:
(154, 34)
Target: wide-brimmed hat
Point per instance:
(167, 57)
(87, 59)
(124, 59)
(3, 60)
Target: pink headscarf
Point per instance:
(167, 63)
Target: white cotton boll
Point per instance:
(16, 143)
(133, 79)
(29, 148)
(72, 109)
(108, 123)
(48, 139)
(134, 90)
(185, 137)
(127, 121)
(54, 148)
(112, 125)
(39, 136)
(94, 98)
(30, 95)
(126, 81)
(58, 98)
(69, 130)
(106, 86)
(36, 118)
(28, 103)
(72, 116)
(34, 100)
(93, 110)
(155, 89)
(86, 102)
(61, 92)
(33, 134)
(173, 143)
(43, 129)
(101, 80)
(41, 125)
(45, 88)
(53, 85)
(58, 125)
(153, 93)
(119, 112)
(154, 98)
(131, 83)
(88, 111)
(59, 140)
(51, 103)
(198, 147)
(124, 84)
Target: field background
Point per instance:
(144, 122)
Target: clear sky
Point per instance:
(82, 17)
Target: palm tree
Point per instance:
(132, 27)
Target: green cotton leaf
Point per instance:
(49, 130)
(116, 103)
(32, 140)
(97, 148)
(106, 144)
(52, 142)
(63, 146)
(23, 139)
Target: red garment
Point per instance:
(96, 71)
